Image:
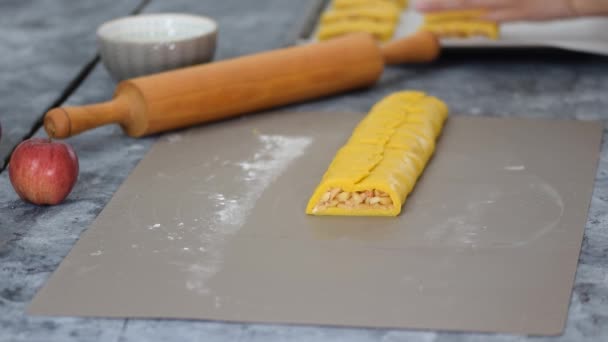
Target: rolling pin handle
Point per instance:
(57, 123)
(64, 122)
(421, 47)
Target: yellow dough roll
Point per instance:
(380, 30)
(370, 13)
(341, 4)
(377, 17)
(373, 173)
(460, 24)
(444, 16)
(458, 29)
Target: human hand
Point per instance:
(516, 10)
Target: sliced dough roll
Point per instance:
(378, 167)
(341, 4)
(463, 29)
(371, 13)
(447, 16)
(460, 24)
(380, 30)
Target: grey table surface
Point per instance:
(52, 41)
(45, 44)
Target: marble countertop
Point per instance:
(44, 55)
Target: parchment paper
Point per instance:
(211, 225)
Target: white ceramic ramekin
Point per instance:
(150, 43)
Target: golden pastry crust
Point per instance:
(370, 13)
(341, 4)
(380, 30)
(460, 24)
(379, 165)
(377, 17)
(454, 16)
(458, 29)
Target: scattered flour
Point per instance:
(154, 226)
(270, 160)
(163, 175)
(515, 168)
(174, 138)
(466, 229)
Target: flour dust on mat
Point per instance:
(255, 174)
(463, 227)
(515, 168)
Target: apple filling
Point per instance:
(367, 199)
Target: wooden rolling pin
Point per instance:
(207, 92)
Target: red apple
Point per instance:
(43, 171)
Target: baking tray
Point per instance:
(588, 35)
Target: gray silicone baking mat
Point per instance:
(211, 225)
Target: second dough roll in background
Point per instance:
(461, 24)
(378, 167)
(377, 17)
